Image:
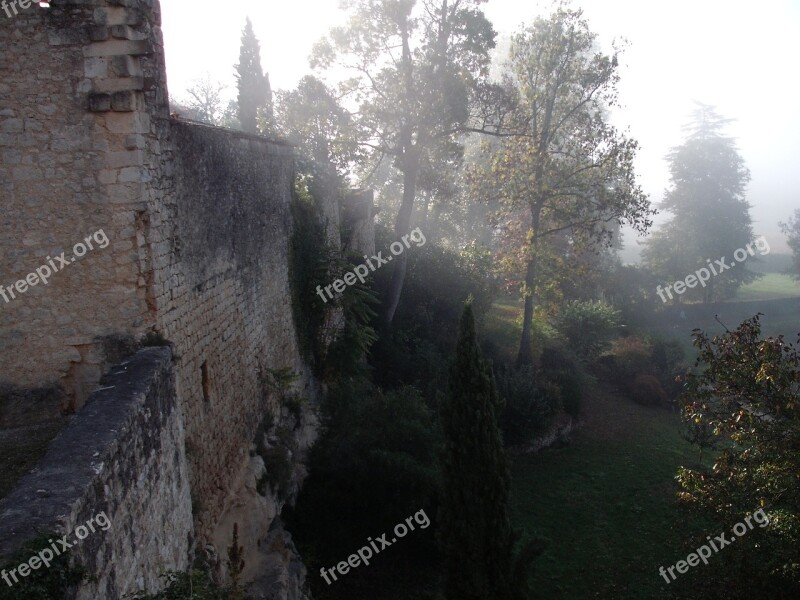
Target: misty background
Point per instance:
(728, 55)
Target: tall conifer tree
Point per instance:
(255, 94)
(475, 531)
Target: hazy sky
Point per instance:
(737, 55)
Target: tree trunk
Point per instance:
(402, 227)
(525, 354)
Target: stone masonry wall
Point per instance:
(222, 295)
(56, 161)
(199, 226)
(127, 460)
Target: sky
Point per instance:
(737, 55)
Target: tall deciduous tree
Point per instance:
(255, 94)
(416, 68)
(565, 169)
(475, 532)
(711, 217)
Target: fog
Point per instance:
(734, 56)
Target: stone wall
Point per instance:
(56, 160)
(220, 256)
(198, 224)
(122, 455)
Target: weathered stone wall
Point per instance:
(56, 165)
(199, 226)
(122, 455)
(220, 248)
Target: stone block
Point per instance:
(127, 101)
(134, 175)
(125, 84)
(128, 158)
(126, 32)
(11, 126)
(118, 47)
(95, 67)
(99, 102)
(99, 33)
(126, 66)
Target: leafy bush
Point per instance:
(633, 358)
(588, 326)
(571, 386)
(529, 406)
(561, 367)
(647, 390)
(383, 444)
(310, 261)
(748, 393)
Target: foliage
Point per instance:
(647, 390)
(194, 585)
(588, 326)
(310, 266)
(417, 349)
(44, 583)
(416, 70)
(476, 538)
(205, 101)
(383, 444)
(562, 368)
(643, 369)
(528, 405)
(711, 217)
(313, 119)
(565, 170)
(792, 231)
(255, 93)
(748, 392)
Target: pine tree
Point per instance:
(475, 533)
(711, 216)
(255, 94)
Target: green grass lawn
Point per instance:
(772, 286)
(607, 502)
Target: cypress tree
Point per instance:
(255, 94)
(475, 534)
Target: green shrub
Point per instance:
(309, 266)
(571, 386)
(588, 326)
(646, 390)
(384, 445)
(529, 406)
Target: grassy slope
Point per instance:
(772, 286)
(606, 502)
